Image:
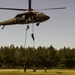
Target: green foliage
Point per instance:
(18, 57)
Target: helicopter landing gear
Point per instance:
(37, 24)
(3, 27)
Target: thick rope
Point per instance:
(32, 35)
(26, 36)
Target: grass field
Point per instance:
(38, 72)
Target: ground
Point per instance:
(38, 72)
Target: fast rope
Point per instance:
(26, 35)
(32, 35)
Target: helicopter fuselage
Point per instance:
(26, 18)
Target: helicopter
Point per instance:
(27, 17)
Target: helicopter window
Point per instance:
(23, 16)
(18, 16)
(37, 14)
(42, 14)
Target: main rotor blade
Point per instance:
(13, 9)
(30, 8)
(29, 5)
(52, 8)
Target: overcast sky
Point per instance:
(58, 31)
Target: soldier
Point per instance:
(44, 69)
(34, 70)
(32, 35)
(24, 68)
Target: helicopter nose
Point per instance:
(48, 17)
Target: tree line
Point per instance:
(18, 57)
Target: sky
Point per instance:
(58, 31)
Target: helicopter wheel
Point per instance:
(37, 24)
(3, 27)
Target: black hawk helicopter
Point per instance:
(30, 16)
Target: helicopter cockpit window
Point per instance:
(18, 16)
(42, 14)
